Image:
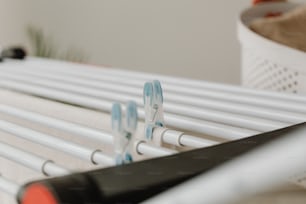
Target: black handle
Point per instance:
(139, 181)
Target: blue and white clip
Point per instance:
(153, 104)
(124, 133)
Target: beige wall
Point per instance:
(13, 17)
(193, 38)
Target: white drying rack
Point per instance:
(199, 114)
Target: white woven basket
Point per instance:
(267, 64)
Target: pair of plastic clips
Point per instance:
(124, 132)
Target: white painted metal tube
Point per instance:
(197, 142)
(293, 106)
(56, 143)
(241, 109)
(204, 127)
(93, 134)
(43, 165)
(72, 128)
(145, 149)
(80, 130)
(9, 187)
(236, 120)
(194, 84)
(241, 177)
(198, 84)
(179, 138)
(242, 121)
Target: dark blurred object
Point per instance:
(13, 53)
(135, 182)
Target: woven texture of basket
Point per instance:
(265, 63)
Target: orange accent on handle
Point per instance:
(38, 194)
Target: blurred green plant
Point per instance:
(43, 46)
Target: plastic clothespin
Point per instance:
(123, 132)
(153, 104)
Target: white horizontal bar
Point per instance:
(195, 84)
(204, 127)
(294, 106)
(99, 158)
(252, 123)
(94, 156)
(97, 135)
(42, 165)
(241, 109)
(52, 169)
(179, 138)
(9, 187)
(242, 176)
(197, 142)
(72, 128)
(145, 149)
(247, 110)
(200, 84)
(53, 142)
(193, 112)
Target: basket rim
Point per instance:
(279, 53)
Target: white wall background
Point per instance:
(194, 38)
(13, 17)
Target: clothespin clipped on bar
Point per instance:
(154, 114)
(124, 132)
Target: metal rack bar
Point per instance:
(237, 120)
(247, 110)
(32, 161)
(56, 143)
(195, 125)
(9, 187)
